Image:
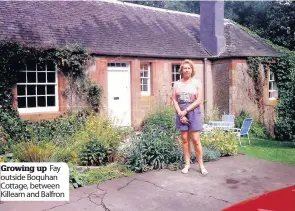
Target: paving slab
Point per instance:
(230, 180)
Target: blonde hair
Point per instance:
(187, 61)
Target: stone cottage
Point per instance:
(138, 51)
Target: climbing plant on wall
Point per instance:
(283, 68)
(71, 62)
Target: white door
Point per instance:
(119, 93)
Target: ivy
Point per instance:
(256, 74)
(284, 72)
(71, 62)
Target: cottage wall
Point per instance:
(227, 85)
(244, 95)
(161, 83)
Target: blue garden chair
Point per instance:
(244, 130)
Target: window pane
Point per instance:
(141, 73)
(41, 77)
(21, 101)
(41, 66)
(124, 65)
(276, 94)
(31, 90)
(144, 88)
(275, 86)
(177, 77)
(31, 102)
(41, 90)
(42, 101)
(21, 90)
(145, 81)
(50, 101)
(146, 74)
(146, 67)
(51, 77)
(271, 76)
(270, 86)
(31, 77)
(31, 65)
(50, 65)
(21, 77)
(50, 89)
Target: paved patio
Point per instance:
(230, 180)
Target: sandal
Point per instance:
(204, 172)
(185, 170)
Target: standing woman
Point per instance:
(187, 97)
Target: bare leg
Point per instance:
(186, 150)
(198, 150)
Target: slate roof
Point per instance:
(107, 28)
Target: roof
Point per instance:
(116, 28)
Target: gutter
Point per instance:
(205, 84)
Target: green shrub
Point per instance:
(161, 117)
(3, 141)
(144, 154)
(224, 142)
(30, 151)
(284, 71)
(210, 154)
(157, 147)
(93, 154)
(77, 178)
(104, 129)
(58, 130)
(81, 177)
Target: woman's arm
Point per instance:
(174, 101)
(199, 99)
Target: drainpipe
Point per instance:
(205, 84)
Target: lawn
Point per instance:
(282, 152)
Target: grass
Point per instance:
(282, 152)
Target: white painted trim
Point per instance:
(271, 90)
(37, 110)
(42, 109)
(128, 68)
(148, 92)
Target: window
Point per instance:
(175, 73)
(117, 65)
(37, 87)
(273, 89)
(145, 76)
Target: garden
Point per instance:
(97, 150)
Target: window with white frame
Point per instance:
(175, 73)
(37, 89)
(273, 89)
(145, 78)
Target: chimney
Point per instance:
(212, 26)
